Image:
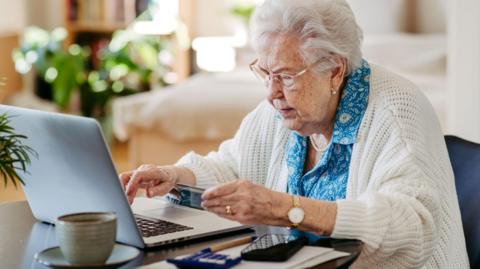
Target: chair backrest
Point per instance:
(465, 159)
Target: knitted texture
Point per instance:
(401, 199)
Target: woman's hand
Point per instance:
(156, 180)
(248, 203)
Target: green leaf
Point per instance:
(14, 156)
(68, 66)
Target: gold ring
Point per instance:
(228, 209)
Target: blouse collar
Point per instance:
(352, 105)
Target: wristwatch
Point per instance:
(296, 213)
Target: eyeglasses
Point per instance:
(286, 80)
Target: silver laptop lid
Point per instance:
(74, 171)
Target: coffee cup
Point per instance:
(86, 239)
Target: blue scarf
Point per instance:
(328, 179)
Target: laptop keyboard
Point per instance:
(150, 228)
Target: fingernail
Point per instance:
(207, 194)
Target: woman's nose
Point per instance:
(274, 90)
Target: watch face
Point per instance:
(295, 215)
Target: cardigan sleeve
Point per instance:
(397, 219)
(223, 165)
(401, 197)
(217, 167)
(397, 215)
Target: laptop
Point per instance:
(74, 173)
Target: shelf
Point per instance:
(92, 23)
(95, 27)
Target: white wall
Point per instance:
(464, 69)
(12, 16)
(431, 16)
(46, 14)
(16, 15)
(380, 16)
(213, 18)
(390, 16)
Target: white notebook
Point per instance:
(307, 257)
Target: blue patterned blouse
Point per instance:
(328, 179)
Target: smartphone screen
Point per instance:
(186, 195)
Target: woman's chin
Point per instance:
(293, 125)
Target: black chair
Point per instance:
(465, 159)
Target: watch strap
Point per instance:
(296, 204)
(296, 201)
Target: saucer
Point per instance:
(121, 254)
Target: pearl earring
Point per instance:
(334, 92)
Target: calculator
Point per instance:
(206, 259)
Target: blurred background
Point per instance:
(164, 77)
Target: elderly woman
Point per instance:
(341, 147)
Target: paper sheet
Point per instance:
(306, 257)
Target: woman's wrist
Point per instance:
(282, 202)
(181, 175)
(319, 215)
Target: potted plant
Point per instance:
(43, 52)
(128, 64)
(83, 80)
(14, 155)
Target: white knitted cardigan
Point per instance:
(401, 199)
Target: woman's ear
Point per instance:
(338, 73)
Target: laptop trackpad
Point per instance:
(161, 209)
(172, 212)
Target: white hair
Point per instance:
(325, 28)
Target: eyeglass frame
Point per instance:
(278, 75)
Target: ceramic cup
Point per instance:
(86, 238)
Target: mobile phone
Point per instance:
(273, 247)
(187, 195)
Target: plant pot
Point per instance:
(43, 89)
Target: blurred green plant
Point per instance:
(130, 63)
(244, 11)
(43, 51)
(13, 154)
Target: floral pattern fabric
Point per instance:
(328, 179)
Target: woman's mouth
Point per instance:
(285, 112)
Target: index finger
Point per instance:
(134, 184)
(125, 178)
(220, 190)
